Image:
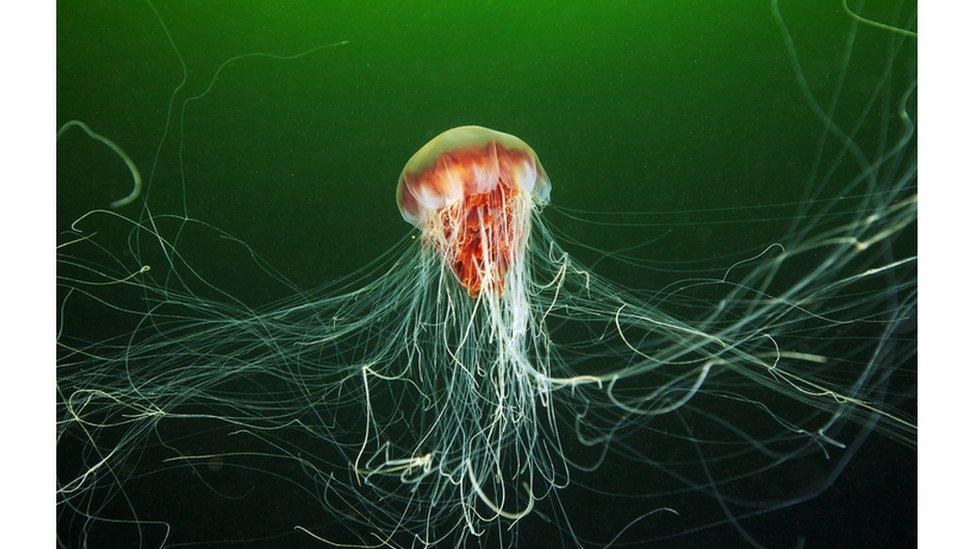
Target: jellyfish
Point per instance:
(479, 368)
(477, 382)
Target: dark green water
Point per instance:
(668, 107)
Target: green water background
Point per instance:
(639, 106)
(655, 106)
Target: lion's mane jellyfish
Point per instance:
(470, 191)
(469, 378)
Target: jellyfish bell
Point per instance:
(471, 191)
